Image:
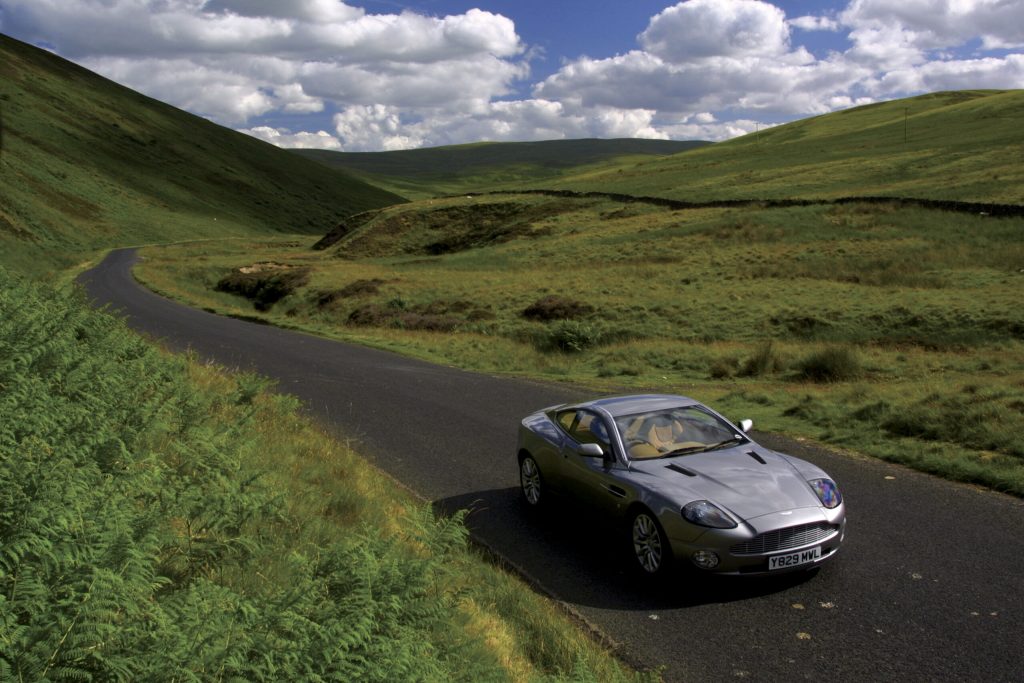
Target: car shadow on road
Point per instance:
(584, 559)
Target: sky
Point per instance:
(393, 74)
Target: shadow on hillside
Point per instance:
(583, 559)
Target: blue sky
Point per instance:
(393, 74)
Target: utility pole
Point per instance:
(905, 110)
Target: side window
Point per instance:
(589, 428)
(584, 427)
(565, 419)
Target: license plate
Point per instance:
(794, 559)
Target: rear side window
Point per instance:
(584, 427)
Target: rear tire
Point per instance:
(531, 483)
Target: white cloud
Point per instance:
(707, 69)
(925, 25)
(367, 128)
(694, 129)
(223, 95)
(232, 60)
(716, 28)
(812, 23)
(788, 86)
(304, 10)
(970, 74)
(282, 137)
(376, 127)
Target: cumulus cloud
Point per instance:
(812, 23)
(937, 24)
(707, 69)
(738, 58)
(368, 128)
(232, 60)
(305, 10)
(282, 137)
(716, 28)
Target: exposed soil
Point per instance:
(263, 283)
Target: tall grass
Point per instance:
(160, 520)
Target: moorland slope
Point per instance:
(86, 163)
(420, 173)
(963, 146)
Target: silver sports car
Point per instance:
(692, 487)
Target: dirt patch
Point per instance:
(264, 284)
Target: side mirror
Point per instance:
(590, 450)
(746, 425)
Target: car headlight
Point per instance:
(828, 492)
(706, 513)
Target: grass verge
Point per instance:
(163, 520)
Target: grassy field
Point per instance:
(87, 164)
(963, 145)
(890, 330)
(457, 169)
(161, 520)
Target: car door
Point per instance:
(593, 480)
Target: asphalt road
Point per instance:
(928, 586)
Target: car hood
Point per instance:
(733, 479)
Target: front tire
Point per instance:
(531, 482)
(651, 550)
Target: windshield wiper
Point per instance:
(722, 444)
(704, 449)
(684, 451)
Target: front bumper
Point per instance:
(746, 549)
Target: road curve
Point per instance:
(927, 587)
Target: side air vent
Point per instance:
(681, 470)
(756, 456)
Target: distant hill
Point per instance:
(486, 165)
(964, 146)
(86, 164)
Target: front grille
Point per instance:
(783, 539)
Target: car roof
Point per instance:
(640, 403)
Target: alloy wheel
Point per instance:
(529, 478)
(647, 544)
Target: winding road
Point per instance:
(929, 585)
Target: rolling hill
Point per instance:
(421, 173)
(964, 146)
(86, 164)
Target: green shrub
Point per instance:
(831, 364)
(571, 336)
(764, 361)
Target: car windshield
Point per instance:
(675, 431)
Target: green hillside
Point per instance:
(420, 173)
(964, 146)
(87, 164)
